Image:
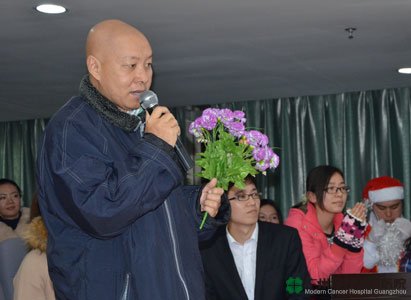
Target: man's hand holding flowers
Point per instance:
(210, 199)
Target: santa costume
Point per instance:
(384, 244)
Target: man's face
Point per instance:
(126, 71)
(244, 212)
(388, 211)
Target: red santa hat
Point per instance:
(383, 189)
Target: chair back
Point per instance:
(12, 252)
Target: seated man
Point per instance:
(250, 260)
(388, 229)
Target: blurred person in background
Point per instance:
(270, 212)
(13, 217)
(32, 280)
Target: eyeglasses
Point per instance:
(245, 197)
(334, 190)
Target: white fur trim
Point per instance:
(371, 256)
(387, 194)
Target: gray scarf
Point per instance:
(107, 109)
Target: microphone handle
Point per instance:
(183, 157)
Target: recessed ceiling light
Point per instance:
(404, 70)
(51, 9)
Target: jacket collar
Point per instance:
(107, 109)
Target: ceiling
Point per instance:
(209, 51)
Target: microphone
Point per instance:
(148, 101)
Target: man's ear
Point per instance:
(311, 197)
(93, 66)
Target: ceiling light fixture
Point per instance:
(51, 9)
(350, 31)
(404, 70)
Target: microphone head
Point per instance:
(148, 100)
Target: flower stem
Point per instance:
(204, 220)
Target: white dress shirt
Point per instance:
(245, 257)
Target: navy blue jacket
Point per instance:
(121, 224)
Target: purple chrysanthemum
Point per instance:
(262, 166)
(275, 161)
(259, 153)
(256, 139)
(195, 129)
(208, 119)
(239, 115)
(265, 158)
(235, 128)
(225, 115)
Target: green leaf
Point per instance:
(226, 159)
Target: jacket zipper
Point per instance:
(126, 288)
(173, 240)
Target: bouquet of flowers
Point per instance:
(231, 152)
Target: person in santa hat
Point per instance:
(388, 230)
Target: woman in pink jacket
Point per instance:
(332, 241)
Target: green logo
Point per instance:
(294, 285)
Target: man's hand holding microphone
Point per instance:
(163, 124)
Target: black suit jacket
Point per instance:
(279, 257)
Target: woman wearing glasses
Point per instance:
(332, 241)
(13, 219)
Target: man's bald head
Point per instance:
(103, 36)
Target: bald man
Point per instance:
(121, 224)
